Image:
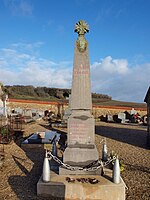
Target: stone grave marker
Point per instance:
(133, 111)
(122, 116)
(67, 112)
(109, 118)
(18, 110)
(27, 113)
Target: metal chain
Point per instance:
(86, 168)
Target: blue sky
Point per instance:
(37, 44)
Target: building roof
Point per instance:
(147, 95)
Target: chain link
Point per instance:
(85, 168)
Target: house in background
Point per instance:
(147, 100)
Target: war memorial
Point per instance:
(81, 173)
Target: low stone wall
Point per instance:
(59, 108)
(113, 110)
(52, 107)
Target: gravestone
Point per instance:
(133, 111)
(18, 111)
(109, 118)
(67, 112)
(122, 116)
(81, 149)
(27, 113)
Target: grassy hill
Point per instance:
(45, 93)
(121, 104)
(61, 95)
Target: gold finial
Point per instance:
(81, 27)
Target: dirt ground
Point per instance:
(22, 168)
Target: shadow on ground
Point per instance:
(25, 185)
(134, 137)
(135, 167)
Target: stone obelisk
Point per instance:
(81, 149)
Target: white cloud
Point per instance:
(19, 7)
(13, 59)
(7, 76)
(115, 78)
(25, 69)
(3, 63)
(119, 66)
(109, 76)
(27, 46)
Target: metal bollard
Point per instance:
(116, 172)
(46, 169)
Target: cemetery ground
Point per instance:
(22, 168)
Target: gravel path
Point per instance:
(22, 169)
(129, 142)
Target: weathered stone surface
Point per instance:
(66, 172)
(58, 187)
(81, 128)
(50, 189)
(81, 148)
(81, 86)
(80, 156)
(81, 140)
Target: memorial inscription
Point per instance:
(81, 70)
(78, 133)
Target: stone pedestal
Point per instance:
(81, 149)
(58, 187)
(81, 156)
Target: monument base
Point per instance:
(64, 171)
(58, 187)
(80, 156)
